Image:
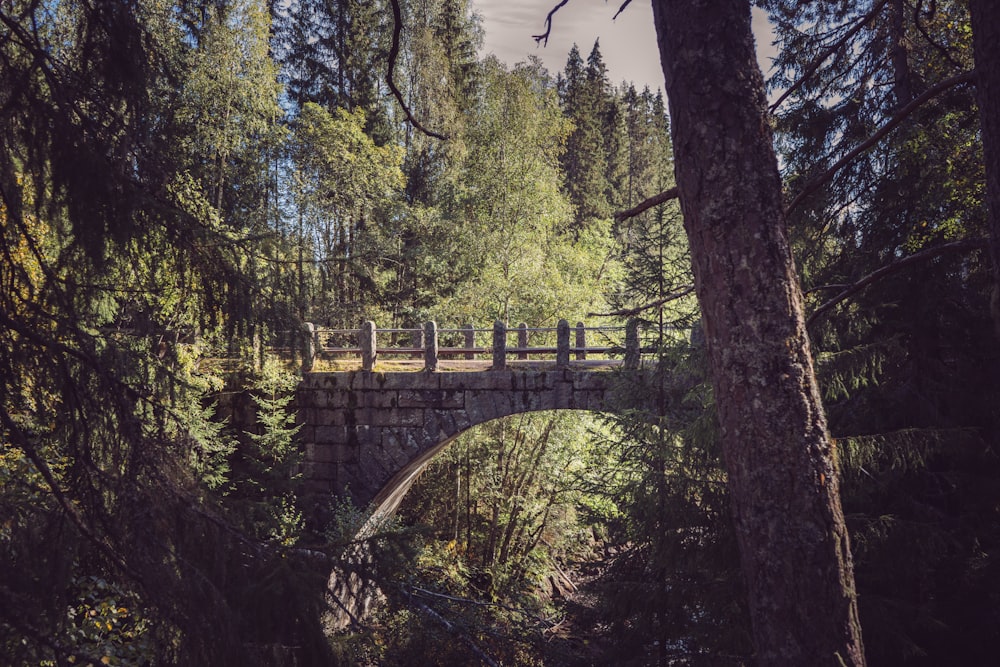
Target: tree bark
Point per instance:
(986, 51)
(794, 546)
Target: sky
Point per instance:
(628, 44)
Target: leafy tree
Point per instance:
(341, 180)
(587, 101)
(516, 218)
(228, 112)
(332, 54)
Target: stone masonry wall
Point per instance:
(368, 433)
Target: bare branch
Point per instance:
(457, 632)
(893, 267)
(632, 312)
(415, 590)
(826, 54)
(543, 39)
(824, 288)
(655, 200)
(815, 183)
(621, 9)
(397, 29)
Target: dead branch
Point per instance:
(815, 183)
(632, 312)
(824, 288)
(455, 630)
(543, 39)
(621, 9)
(893, 267)
(397, 29)
(655, 200)
(416, 590)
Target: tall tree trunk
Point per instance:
(986, 50)
(794, 547)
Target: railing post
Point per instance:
(581, 341)
(499, 346)
(430, 346)
(522, 339)
(562, 344)
(469, 332)
(632, 352)
(309, 347)
(366, 340)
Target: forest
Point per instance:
(808, 473)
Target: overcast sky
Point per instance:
(628, 43)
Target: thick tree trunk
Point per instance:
(986, 50)
(794, 546)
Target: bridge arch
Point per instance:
(368, 434)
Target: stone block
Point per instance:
(329, 453)
(323, 435)
(339, 398)
(503, 403)
(319, 472)
(418, 381)
(329, 417)
(397, 449)
(528, 401)
(397, 417)
(326, 381)
(368, 380)
(596, 381)
(457, 422)
(365, 415)
(433, 430)
(431, 398)
(479, 407)
(388, 398)
(591, 400)
(366, 435)
(467, 381)
(563, 396)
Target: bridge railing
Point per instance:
(499, 344)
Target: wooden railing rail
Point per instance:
(426, 342)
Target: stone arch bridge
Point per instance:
(368, 433)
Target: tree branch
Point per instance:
(457, 632)
(543, 39)
(397, 29)
(416, 590)
(621, 9)
(814, 183)
(826, 54)
(930, 40)
(655, 200)
(632, 312)
(893, 267)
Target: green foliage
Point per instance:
(158, 206)
(905, 365)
